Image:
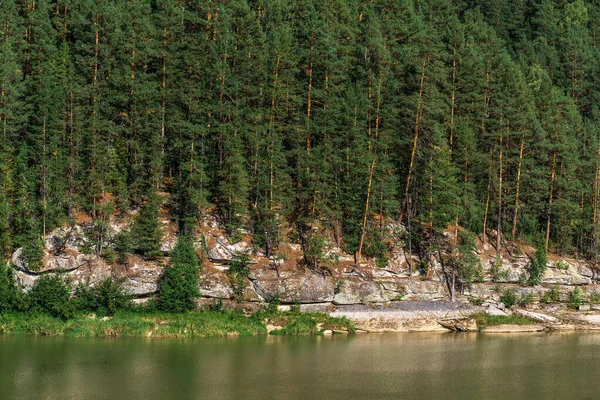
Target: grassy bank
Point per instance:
(484, 320)
(164, 325)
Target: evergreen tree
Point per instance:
(146, 232)
(179, 286)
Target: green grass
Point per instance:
(297, 323)
(484, 320)
(164, 325)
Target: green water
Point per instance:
(368, 366)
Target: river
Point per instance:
(365, 366)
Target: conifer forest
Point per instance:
(303, 120)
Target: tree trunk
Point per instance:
(516, 211)
(552, 176)
(487, 200)
(499, 225)
(416, 137)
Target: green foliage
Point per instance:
(216, 305)
(484, 320)
(575, 298)
(51, 294)
(110, 256)
(465, 263)
(526, 299)
(338, 286)
(314, 250)
(104, 298)
(299, 323)
(562, 265)
(33, 253)
(594, 297)
(306, 117)
(375, 248)
(122, 245)
(179, 286)
(11, 296)
(273, 304)
(509, 297)
(167, 325)
(146, 232)
(537, 265)
(238, 274)
(498, 273)
(552, 295)
(476, 301)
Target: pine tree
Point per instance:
(179, 286)
(146, 232)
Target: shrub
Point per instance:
(594, 297)
(216, 305)
(238, 272)
(498, 274)
(552, 295)
(106, 298)
(537, 265)
(562, 265)
(110, 256)
(11, 296)
(476, 301)
(33, 253)
(509, 297)
(375, 248)
(52, 295)
(338, 286)
(314, 251)
(179, 286)
(296, 307)
(526, 299)
(575, 298)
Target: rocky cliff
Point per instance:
(338, 284)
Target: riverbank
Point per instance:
(223, 323)
(442, 316)
(398, 317)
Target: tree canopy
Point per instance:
(275, 114)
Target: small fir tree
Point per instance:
(179, 286)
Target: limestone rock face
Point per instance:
(65, 260)
(564, 277)
(304, 287)
(361, 292)
(215, 285)
(65, 250)
(220, 250)
(460, 324)
(141, 277)
(536, 316)
(425, 290)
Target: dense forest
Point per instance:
(303, 118)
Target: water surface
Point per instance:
(368, 366)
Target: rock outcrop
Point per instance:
(338, 283)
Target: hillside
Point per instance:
(303, 121)
(393, 297)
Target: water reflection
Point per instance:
(416, 365)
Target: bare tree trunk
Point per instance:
(487, 200)
(516, 211)
(44, 173)
(551, 195)
(365, 217)
(453, 98)
(163, 93)
(499, 225)
(416, 136)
